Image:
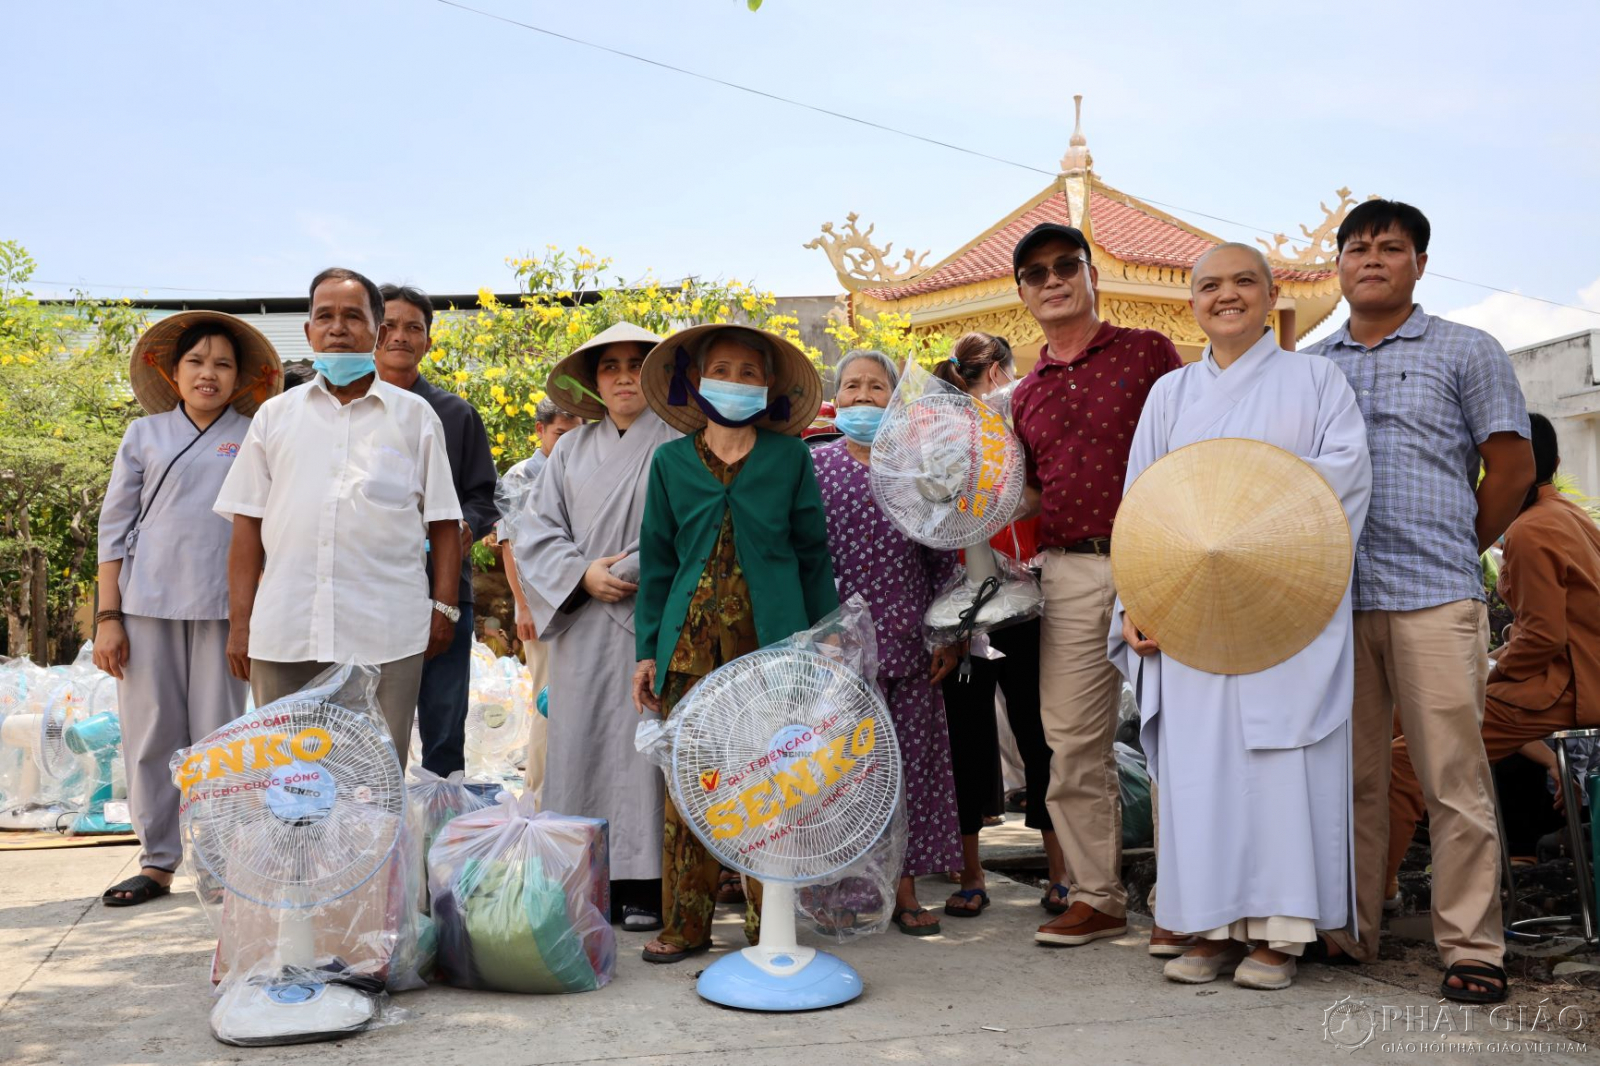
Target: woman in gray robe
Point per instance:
(576, 550)
(162, 625)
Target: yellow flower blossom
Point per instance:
(497, 451)
(499, 438)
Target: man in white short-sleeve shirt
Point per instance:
(340, 488)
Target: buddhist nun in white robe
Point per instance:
(1254, 772)
(588, 506)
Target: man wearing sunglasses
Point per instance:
(1076, 413)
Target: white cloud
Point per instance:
(1516, 321)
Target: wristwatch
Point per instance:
(452, 613)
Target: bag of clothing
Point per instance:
(521, 900)
(1138, 823)
(431, 801)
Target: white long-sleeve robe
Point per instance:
(1254, 769)
(588, 504)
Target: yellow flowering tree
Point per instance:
(498, 356)
(891, 334)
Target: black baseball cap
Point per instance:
(1047, 231)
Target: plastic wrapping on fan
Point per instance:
(1018, 594)
(329, 914)
(846, 636)
(431, 801)
(859, 899)
(500, 710)
(522, 900)
(513, 496)
(1133, 779)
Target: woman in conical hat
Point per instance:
(576, 551)
(733, 554)
(162, 626)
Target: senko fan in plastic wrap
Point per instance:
(292, 806)
(949, 473)
(786, 766)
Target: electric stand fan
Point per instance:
(785, 765)
(25, 726)
(948, 473)
(497, 726)
(292, 807)
(72, 733)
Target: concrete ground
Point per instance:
(82, 985)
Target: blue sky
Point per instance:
(221, 147)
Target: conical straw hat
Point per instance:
(1231, 554)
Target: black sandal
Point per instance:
(141, 889)
(914, 930)
(1474, 973)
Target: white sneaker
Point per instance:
(1193, 969)
(1253, 973)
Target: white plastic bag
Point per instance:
(521, 900)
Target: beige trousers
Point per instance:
(1078, 694)
(1429, 667)
(398, 684)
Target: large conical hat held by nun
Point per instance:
(1231, 554)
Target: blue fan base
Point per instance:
(733, 981)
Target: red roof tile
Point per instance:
(1126, 231)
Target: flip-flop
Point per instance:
(1474, 973)
(143, 889)
(968, 894)
(1058, 905)
(673, 956)
(914, 930)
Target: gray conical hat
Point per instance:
(576, 372)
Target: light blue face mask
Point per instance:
(341, 368)
(733, 401)
(859, 423)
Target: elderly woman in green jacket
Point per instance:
(733, 554)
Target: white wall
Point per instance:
(1561, 380)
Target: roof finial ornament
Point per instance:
(1077, 158)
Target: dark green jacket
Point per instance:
(779, 533)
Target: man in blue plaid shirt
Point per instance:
(1441, 400)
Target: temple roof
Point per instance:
(1121, 225)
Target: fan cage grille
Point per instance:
(946, 471)
(257, 763)
(805, 759)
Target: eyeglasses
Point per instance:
(1066, 268)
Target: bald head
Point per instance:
(1229, 263)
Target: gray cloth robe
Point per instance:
(1254, 769)
(588, 504)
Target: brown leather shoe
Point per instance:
(1166, 944)
(1080, 924)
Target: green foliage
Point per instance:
(64, 403)
(498, 357)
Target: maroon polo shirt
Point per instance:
(1076, 421)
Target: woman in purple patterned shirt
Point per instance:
(899, 578)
